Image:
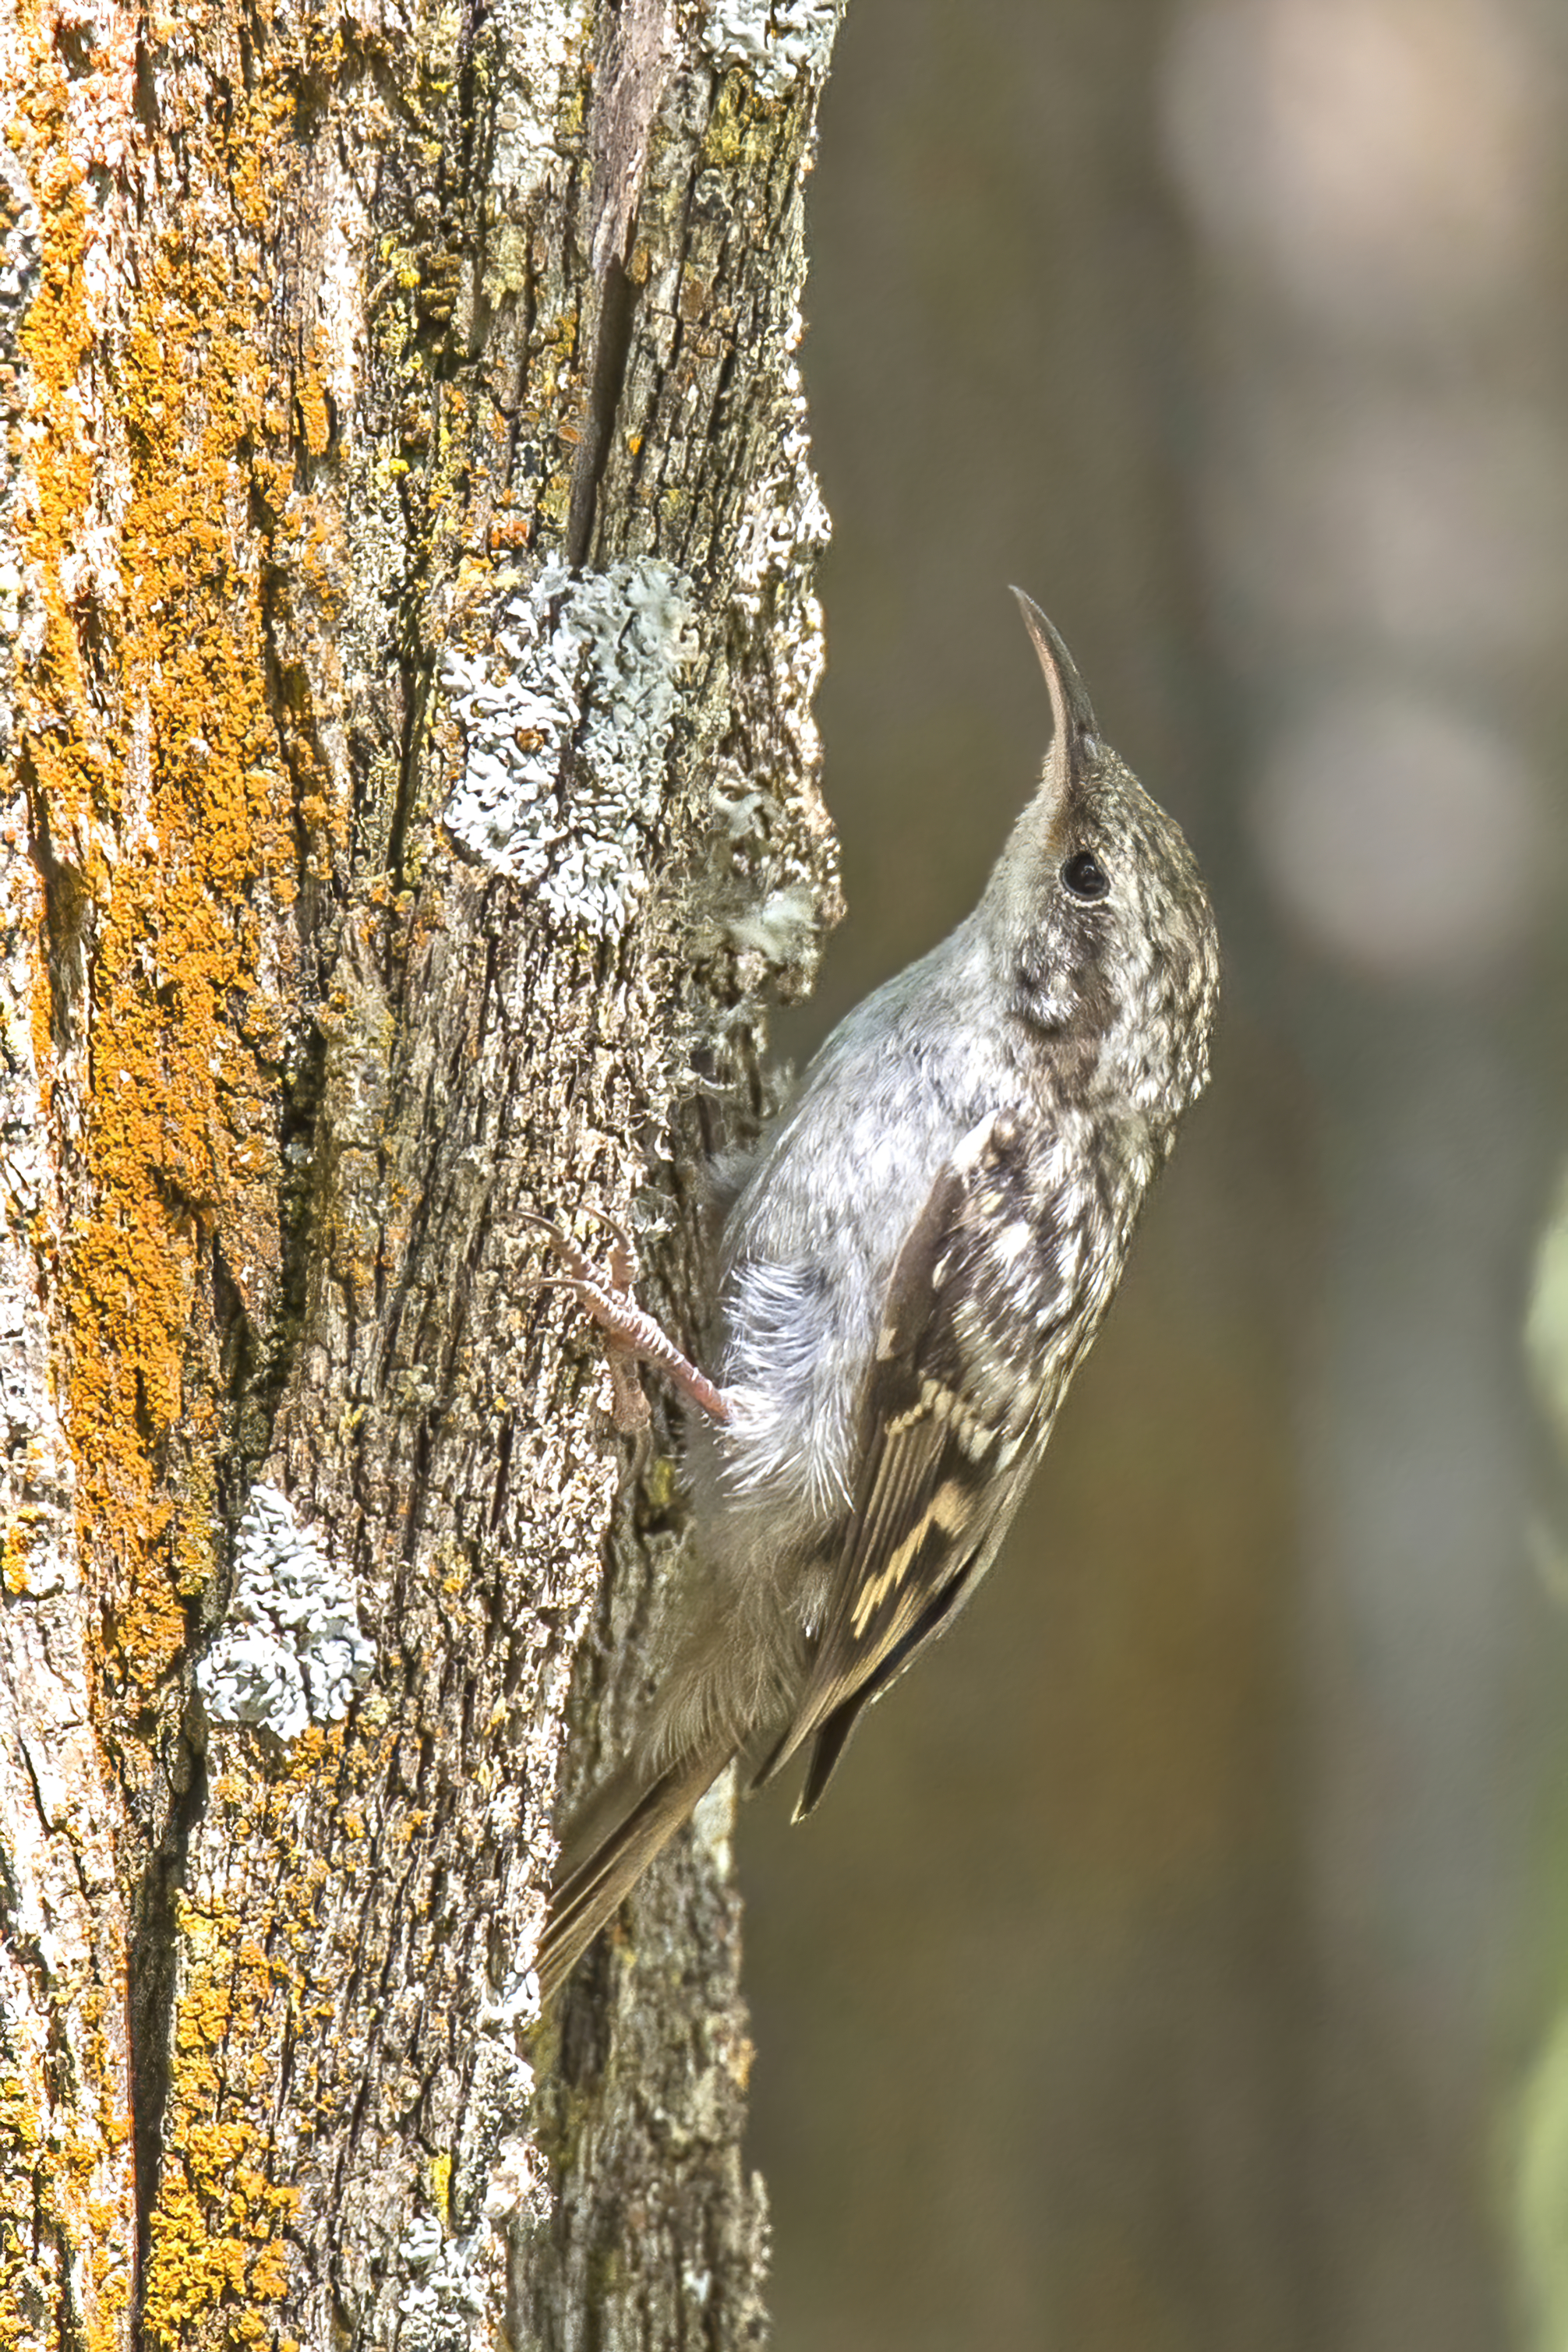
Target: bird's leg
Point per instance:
(632, 1333)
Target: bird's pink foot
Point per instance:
(633, 1334)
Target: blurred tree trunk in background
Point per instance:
(409, 785)
(1377, 188)
(1160, 1955)
(1040, 1953)
(1538, 2181)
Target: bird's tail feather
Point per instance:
(625, 1826)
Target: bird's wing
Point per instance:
(958, 1400)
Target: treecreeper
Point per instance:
(913, 1265)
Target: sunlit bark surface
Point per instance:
(408, 800)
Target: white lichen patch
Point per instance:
(774, 753)
(422, 2241)
(456, 2279)
(787, 525)
(290, 1652)
(450, 2308)
(538, 49)
(494, 2148)
(567, 725)
(778, 40)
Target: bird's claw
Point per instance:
(631, 1331)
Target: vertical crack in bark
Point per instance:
(305, 1090)
(612, 349)
(419, 671)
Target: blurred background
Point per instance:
(1175, 1968)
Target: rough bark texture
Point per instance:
(409, 799)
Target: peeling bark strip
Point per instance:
(406, 531)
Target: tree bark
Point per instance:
(409, 802)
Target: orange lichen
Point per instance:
(58, 2175)
(173, 764)
(166, 815)
(312, 394)
(14, 1546)
(217, 2249)
(254, 1983)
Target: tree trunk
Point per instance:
(410, 799)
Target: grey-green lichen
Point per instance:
(567, 718)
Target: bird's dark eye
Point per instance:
(1084, 876)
